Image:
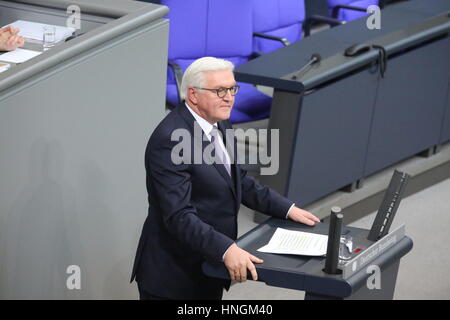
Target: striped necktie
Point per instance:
(220, 156)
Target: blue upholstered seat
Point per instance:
(279, 18)
(349, 14)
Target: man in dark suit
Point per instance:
(193, 206)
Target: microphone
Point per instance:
(315, 57)
(334, 238)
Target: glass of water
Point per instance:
(49, 39)
(345, 249)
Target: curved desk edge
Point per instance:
(113, 9)
(83, 43)
(331, 286)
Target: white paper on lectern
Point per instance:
(296, 242)
(35, 30)
(4, 66)
(19, 55)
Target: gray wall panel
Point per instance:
(72, 188)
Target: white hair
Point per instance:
(194, 76)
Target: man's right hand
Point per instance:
(10, 39)
(237, 261)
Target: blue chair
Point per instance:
(348, 10)
(201, 28)
(276, 23)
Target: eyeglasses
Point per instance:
(222, 92)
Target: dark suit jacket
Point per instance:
(192, 214)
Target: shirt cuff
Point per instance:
(223, 257)
(287, 214)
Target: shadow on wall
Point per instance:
(62, 215)
(34, 242)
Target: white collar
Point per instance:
(203, 123)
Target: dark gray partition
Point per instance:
(316, 7)
(74, 124)
(410, 105)
(445, 135)
(352, 122)
(333, 137)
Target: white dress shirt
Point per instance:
(207, 128)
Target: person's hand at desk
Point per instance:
(302, 216)
(10, 39)
(238, 261)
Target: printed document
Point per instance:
(296, 242)
(19, 55)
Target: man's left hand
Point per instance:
(302, 216)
